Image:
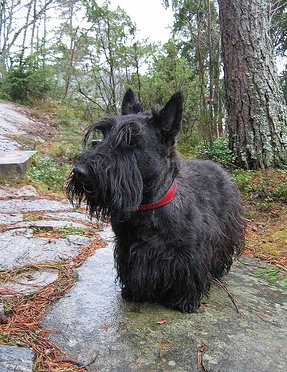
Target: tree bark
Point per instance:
(256, 122)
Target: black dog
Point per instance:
(177, 223)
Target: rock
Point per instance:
(100, 329)
(26, 206)
(78, 240)
(3, 317)
(12, 121)
(70, 216)
(32, 250)
(9, 218)
(50, 224)
(14, 164)
(29, 282)
(107, 234)
(16, 358)
(8, 191)
(8, 144)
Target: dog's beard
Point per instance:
(114, 186)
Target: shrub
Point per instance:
(48, 173)
(219, 152)
(242, 179)
(25, 82)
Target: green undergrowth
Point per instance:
(53, 162)
(268, 185)
(273, 275)
(70, 230)
(48, 174)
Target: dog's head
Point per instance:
(126, 157)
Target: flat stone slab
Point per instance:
(106, 333)
(29, 282)
(22, 191)
(14, 164)
(50, 224)
(10, 218)
(18, 250)
(40, 205)
(15, 157)
(16, 358)
(8, 144)
(70, 216)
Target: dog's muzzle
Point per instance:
(81, 172)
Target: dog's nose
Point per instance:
(81, 171)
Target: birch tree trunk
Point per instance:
(256, 122)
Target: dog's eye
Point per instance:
(95, 142)
(96, 138)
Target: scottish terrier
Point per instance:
(177, 223)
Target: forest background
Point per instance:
(77, 57)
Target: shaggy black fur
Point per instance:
(170, 254)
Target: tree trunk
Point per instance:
(22, 53)
(256, 122)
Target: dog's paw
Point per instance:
(189, 308)
(126, 294)
(185, 308)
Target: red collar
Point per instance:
(167, 198)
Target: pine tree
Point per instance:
(256, 123)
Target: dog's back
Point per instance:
(215, 210)
(208, 188)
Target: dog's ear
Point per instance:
(170, 115)
(131, 103)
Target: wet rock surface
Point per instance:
(107, 333)
(39, 205)
(31, 249)
(16, 359)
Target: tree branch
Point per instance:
(41, 11)
(273, 11)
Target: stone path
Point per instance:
(103, 332)
(14, 122)
(22, 214)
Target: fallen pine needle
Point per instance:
(221, 285)
(200, 351)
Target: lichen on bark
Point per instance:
(257, 116)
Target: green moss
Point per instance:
(273, 275)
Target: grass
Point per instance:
(70, 230)
(32, 217)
